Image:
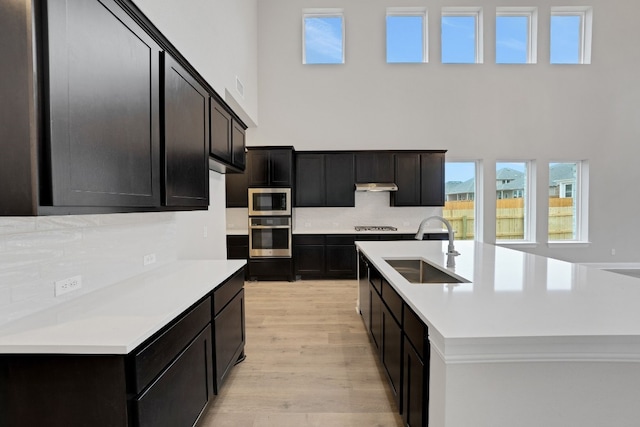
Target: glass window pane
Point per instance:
(458, 39)
(323, 42)
(563, 183)
(460, 194)
(405, 40)
(511, 194)
(512, 39)
(566, 39)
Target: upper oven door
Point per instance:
(269, 201)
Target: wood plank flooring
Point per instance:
(309, 362)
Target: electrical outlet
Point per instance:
(613, 252)
(149, 259)
(67, 285)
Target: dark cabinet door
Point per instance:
(270, 167)
(179, 395)
(103, 107)
(238, 143)
(221, 144)
(258, 168)
(391, 352)
(236, 190)
(186, 137)
(229, 337)
(415, 390)
(341, 261)
(340, 180)
(432, 179)
(310, 180)
(309, 256)
(374, 167)
(281, 166)
(364, 292)
(407, 177)
(376, 316)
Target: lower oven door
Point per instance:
(270, 237)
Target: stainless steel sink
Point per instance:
(419, 271)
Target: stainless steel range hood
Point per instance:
(376, 186)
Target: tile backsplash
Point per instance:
(37, 251)
(371, 209)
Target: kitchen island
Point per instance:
(527, 341)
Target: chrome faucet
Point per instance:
(451, 251)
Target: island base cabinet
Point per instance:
(180, 394)
(62, 391)
(415, 396)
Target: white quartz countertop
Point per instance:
(517, 305)
(118, 318)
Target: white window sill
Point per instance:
(516, 243)
(569, 244)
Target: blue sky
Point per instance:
(404, 38)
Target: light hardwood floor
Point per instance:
(309, 362)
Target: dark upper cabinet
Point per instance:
(270, 167)
(310, 180)
(432, 179)
(186, 137)
(221, 145)
(420, 179)
(407, 171)
(236, 185)
(238, 145)
(374, 166)
(102, 107)
(105, 114)
(325, 180)
(227, 146)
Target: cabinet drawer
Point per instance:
(154, 357)
(392, 300)
(415, 330)
(308, 239)
(225, 292)
(375, 278)
(179, 395)
(346, 239)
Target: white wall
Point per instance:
(219, 39)
(490, 112)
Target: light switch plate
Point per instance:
(149, 259)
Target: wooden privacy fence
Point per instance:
(510, 218)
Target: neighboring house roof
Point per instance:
(460, 187)
(557, 173)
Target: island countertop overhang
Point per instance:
(516, 306)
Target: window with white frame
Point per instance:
(461, 35)
(406, 35)
(513, 213)
(323, 37)
(570, 38)
(516, 35)
(567, 201)
(460, 198)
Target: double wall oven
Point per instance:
(270, 223)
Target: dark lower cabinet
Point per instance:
(180, 394)
(401, 342)
(415, 382)
(317, 256)
(229, 327)
(167, 381)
